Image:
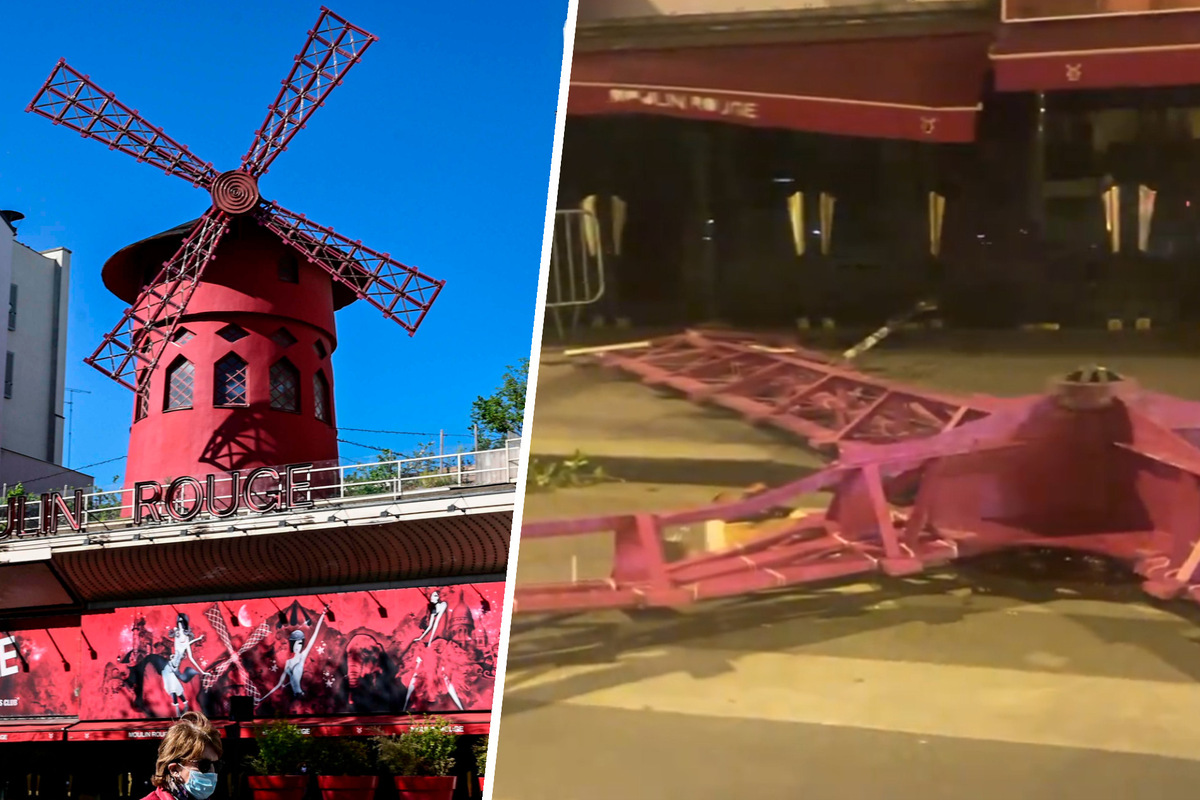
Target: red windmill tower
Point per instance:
(228, 337)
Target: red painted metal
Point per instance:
(137, 343)
(779, 384)
(1098, 465)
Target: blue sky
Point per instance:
(436, 149)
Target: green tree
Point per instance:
(502, 413)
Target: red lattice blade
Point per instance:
(139, 339)
(402, 293)
(333, 47)
(70, 98)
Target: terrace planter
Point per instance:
(426, 788)
(347, 787)
(278, 787)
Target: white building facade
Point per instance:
(33, 341)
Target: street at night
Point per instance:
(1021, 675)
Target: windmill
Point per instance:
(239, 302)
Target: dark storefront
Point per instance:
(1021, 171)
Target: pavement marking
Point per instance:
(966, 702)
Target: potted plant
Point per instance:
(481, 759)
(279, 765)
(344, 768)
(421, 760)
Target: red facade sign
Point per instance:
(396, 651)
(39, 672)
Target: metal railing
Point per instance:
(576, 277)
(329, 485)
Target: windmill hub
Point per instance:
(235, 192)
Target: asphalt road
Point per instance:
(952, 687)
(1019, 678)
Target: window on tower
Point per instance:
(288, 268)
(321, 399)
(229, 381)
(181, 378)
(232, 333)
(284, 338)
(143, 396)
(285, 386)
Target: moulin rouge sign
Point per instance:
(265, 490)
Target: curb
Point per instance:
(731, 473)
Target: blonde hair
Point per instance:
(186, 740)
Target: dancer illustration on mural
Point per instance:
(437, 612)
(293, 668)
(169, 669)
(429, 665)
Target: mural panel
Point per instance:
(39, 672)
(388, 652)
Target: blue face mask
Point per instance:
(201, 785)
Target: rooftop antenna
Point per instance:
(71, 418)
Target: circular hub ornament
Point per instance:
(235, 192)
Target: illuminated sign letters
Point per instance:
(263, 491)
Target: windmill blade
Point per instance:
(402, 293)
(139, 339)
(333, 47)
(71, 98)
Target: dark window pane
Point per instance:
(285, 386)
(283, 337)
(289, 269)
(180, 380)
(231, 333)
(230, 381)
(321, 397)
(143, 396)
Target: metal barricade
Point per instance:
(576, 278)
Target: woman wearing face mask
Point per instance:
(188, 760)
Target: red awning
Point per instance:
(46, 730)
(125, 730)
(1098, 53)
(475, 724)
(925, 88)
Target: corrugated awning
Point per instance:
(45, 730)
(925, 89)
(126, 730)
(1098, 53)
(474, 724)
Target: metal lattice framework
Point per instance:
(403, 293)
(1098, 466)
(784, 386)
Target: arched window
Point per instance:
(285, 386)
(229, 381)
(181, 377)
(143, 396)
(321, 400)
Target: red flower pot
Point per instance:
(426, 788)
(278, 787)
(481, 785)
(347, 787)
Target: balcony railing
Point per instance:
(328, 486)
